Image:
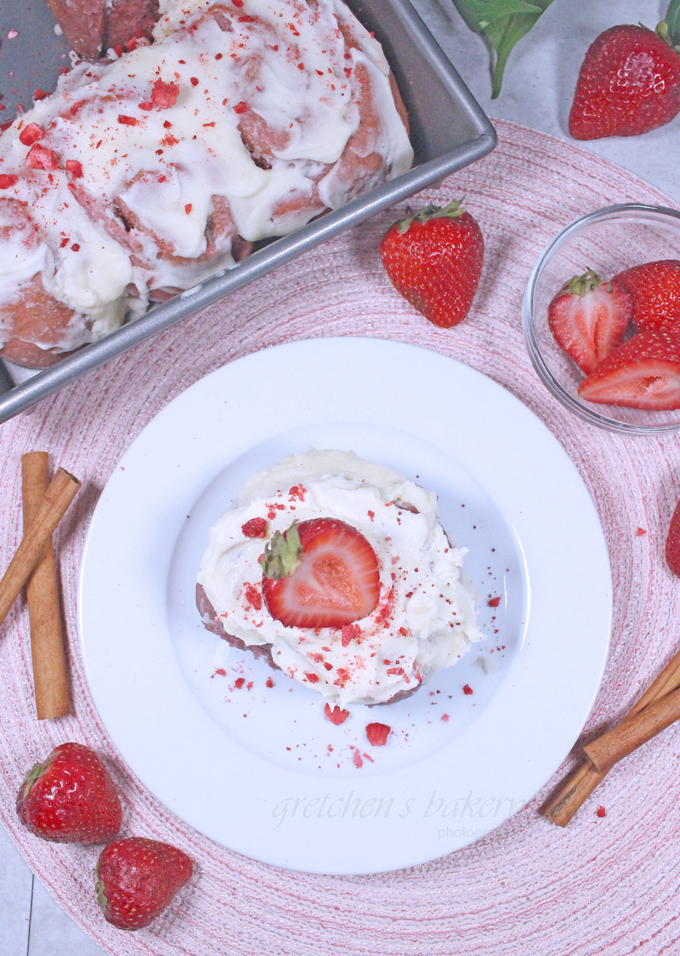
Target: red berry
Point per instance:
(70, 798)
(320, 573)
(377, 734)
(655, 287)
(628, 84)
(643, 373)
(589, 318)
(138, 878)
(434, 259)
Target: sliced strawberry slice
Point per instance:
(320, 573)
(655, 287)
(643, 373)
(589, 318)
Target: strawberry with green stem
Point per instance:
(319, 573)
(629, 82)
(434, 259)
(589, 318)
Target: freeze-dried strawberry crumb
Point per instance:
(640, 532)
(377, 734)
(239, 682)
(187, 206)
(467, 689)
(127, 120)
(601, 812)
(269, 682)
(255, 528)
(253, 597)
(7, 180)
(445, 718)
(241, 107)
(336, 715)
(221, 671)
(74, 167)
(403, 631)
(356, 759)
(298, 491)
(40, 158)
(75, 247)
(350, 632)
(194, 80)
(40, 94)
(395, 670)
(147, 106)
(312, 678)
(164, 95)
(494, 602)
(31, 134)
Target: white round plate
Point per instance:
(257, 767)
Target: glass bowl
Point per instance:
(606, 241)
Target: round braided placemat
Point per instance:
(602, 885)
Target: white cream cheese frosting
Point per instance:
(137, 215)
(425, 616)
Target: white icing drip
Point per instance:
(167, 164)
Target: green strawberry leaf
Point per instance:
(503, 23)
(673, 22)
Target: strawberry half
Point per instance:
(643, 373)
(589, 318)
(628, 84)
(655, 287)
(138, 878)
(319, 573)
(434, 259)
(70, 798)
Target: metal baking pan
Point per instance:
(448, 131)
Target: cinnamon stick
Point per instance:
(567, 800)
(633, 731)
(59, 495)
(50, 676)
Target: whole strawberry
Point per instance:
(138, 878)
(628, 84)
(70, 798)
(434, 259)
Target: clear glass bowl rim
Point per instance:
(620, 211)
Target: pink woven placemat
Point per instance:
(604, 884)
